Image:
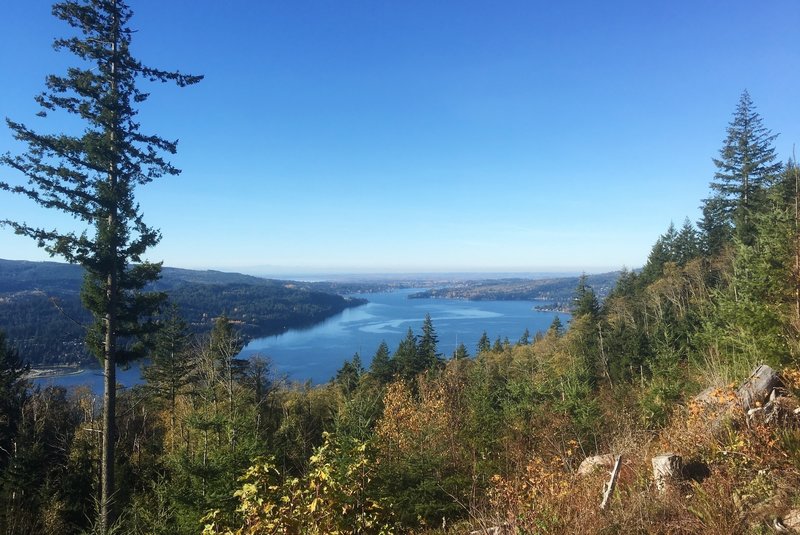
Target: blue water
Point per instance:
(93, 378)
(317, 352)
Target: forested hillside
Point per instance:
(557, 290)
(44, 319)
(489, 437)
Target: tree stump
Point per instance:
(667, 468)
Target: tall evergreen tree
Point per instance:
(556, 327)
(407, 356)
(715, 228)
(427, 346)
(497, 347)
(746, 166)
(585, 301)
(382, 365)
(686, 245)
(92, 176)
(349, 375)
(663, 251)
(170, 363)
(484, 345)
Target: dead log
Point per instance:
(756, 390)
(718, 406)
(667, 468)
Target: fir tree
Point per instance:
(92, 177)
(348, 376)
(585, 301)
(663, 251)
(170, 363)
(497, 347)
(461, 352)
(556, 327)
(715, 228)
(525, 339)
(382, 366)
(686, 245)
(483, 344)
(406, 356)
(746, 166)
(427, 347)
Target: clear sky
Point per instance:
(425, 135)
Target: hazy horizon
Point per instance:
(343, 274)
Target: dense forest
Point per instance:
(45, 321)
(489, 437)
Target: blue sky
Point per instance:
(428, 136)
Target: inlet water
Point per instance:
(314, 354)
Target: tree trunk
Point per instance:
(796, 242)
(109, 431)
(110, 342)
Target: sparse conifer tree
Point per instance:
(92, 176)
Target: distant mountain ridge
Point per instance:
(41, 312)
(558, 290)
(22, 274)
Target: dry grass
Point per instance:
(741, 474)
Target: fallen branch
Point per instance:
(609, 486)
